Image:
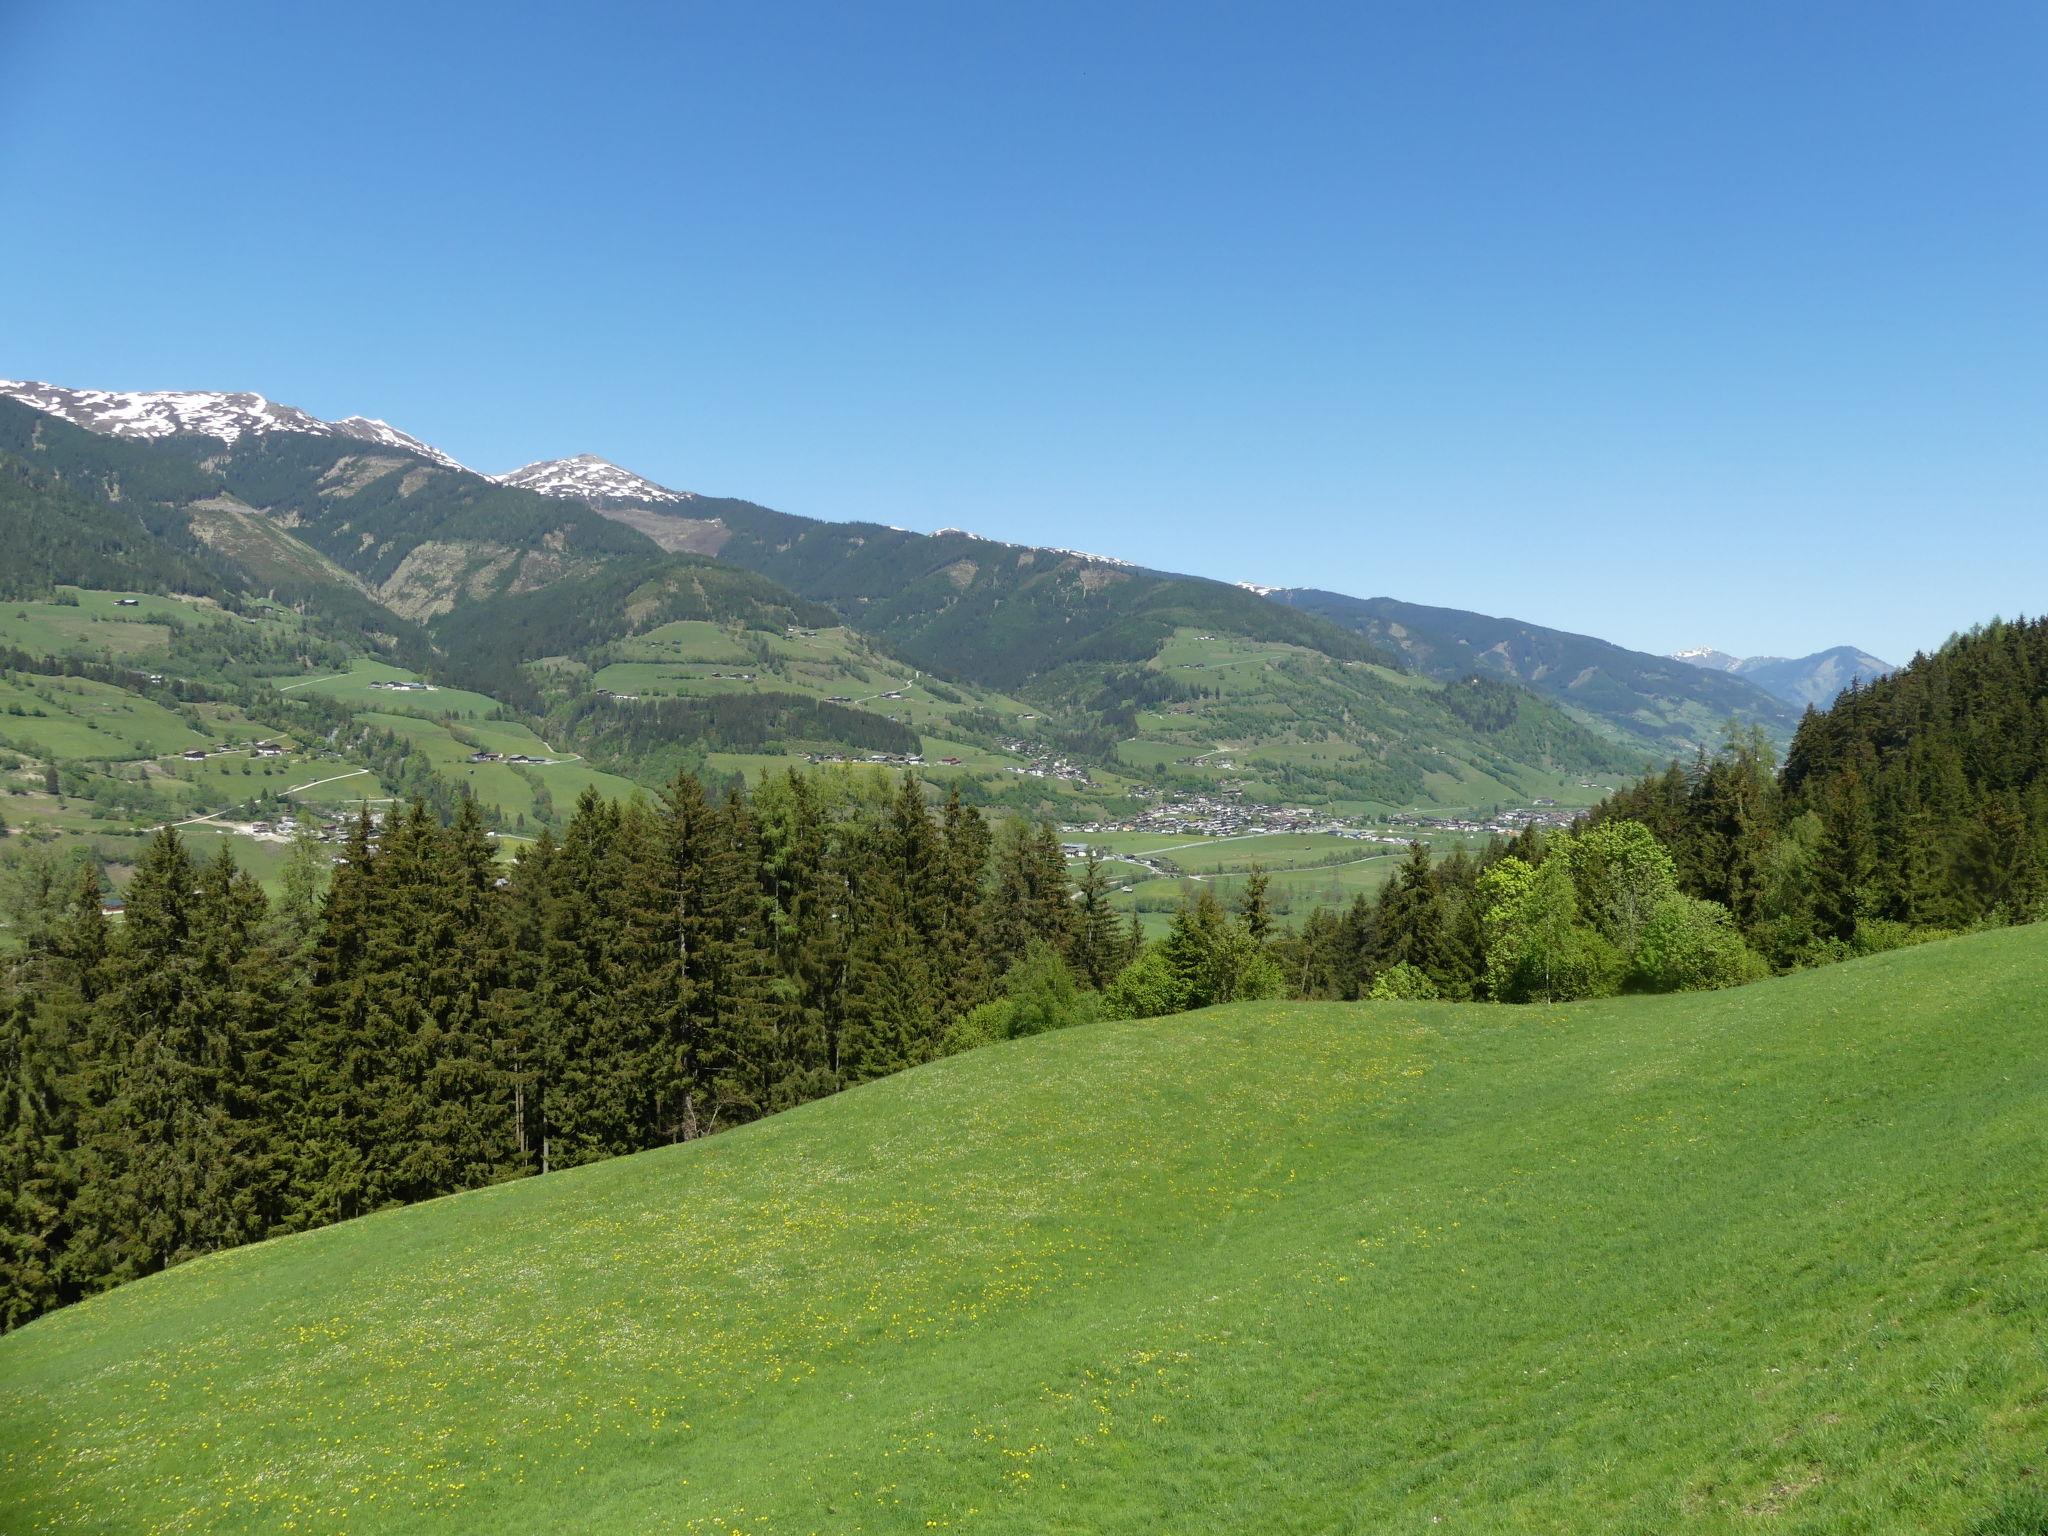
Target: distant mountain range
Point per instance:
(1799, 680)
(372, 514)
(1628, 695)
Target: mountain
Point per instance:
(1631, 696)
(623, 614)
(594, 481)
(1800, 681)
(407, 524)
(161, 413)
(1760, 1259)
(952, 602)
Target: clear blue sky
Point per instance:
(1724, 323)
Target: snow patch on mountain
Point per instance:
(1051, 549)
(227, 415)
(385, 435)
(1253, 586)
(596, 481)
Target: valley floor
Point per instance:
(1768, 1259)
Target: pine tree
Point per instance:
(1847, 856)
(1097, 951)
(1252, 907)
(37, 1127)
(155, 1141)
(960, 939)
(807, 911)
(1409, 929)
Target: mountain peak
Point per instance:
(1798, 680)
(229, 415)
(589, 478)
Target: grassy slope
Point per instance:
(1768, 1259)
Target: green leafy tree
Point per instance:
(1401, 982)
(1536, 947)
(1688, 945)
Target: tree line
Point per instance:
(1913, 808)
(214, 1066)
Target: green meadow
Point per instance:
(95, 624)
(511, 787)
(1772, 1259)
(75, 717)
(359, 686)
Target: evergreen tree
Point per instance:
(1098, 946)
(1252, 907)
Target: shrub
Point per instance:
(1689, 945)
(1147, 988)
(1403, 983)
(1040, 993)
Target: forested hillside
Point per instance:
(1657, 702)
(1919, 801)
(1914, 809)
(1000, 613)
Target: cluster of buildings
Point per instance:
(1504, 822)
(1044, 765)
(1224, 814)
(880, 759)
(502, 757)
(399, 685)
(254, 749)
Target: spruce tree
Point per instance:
(1097, 949)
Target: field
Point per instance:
(359, 687)
(1771, 1259)
(96, 625)
(512, 787)
(75, 717)
(696, 659)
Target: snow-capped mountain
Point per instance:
(1706, 656)
(1814, 679)
(229, 416)
(594, 481)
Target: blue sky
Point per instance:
(1724, 323)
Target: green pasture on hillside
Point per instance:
(83, 719)
(1773, 1259)
(358, 686)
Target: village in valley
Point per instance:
(1228, 814)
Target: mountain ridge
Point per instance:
(1799, 680)
(229, 415)
(1634, 696)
